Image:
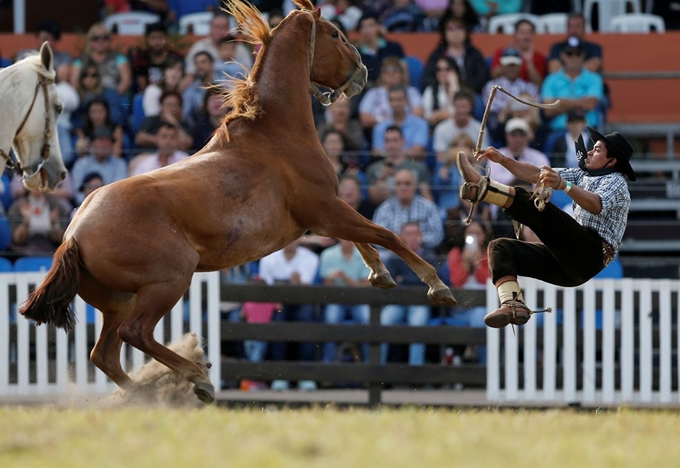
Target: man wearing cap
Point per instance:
(100, 160)
(575, 86)
(574, 249)
(518, 134)
(576, 26)
(509, 80)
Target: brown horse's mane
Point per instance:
(243, 98)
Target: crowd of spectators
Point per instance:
(394, 147)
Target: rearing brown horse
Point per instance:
(261, 182)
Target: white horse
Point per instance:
(30, 107)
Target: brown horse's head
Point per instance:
(335, 62)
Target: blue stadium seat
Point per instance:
(415, 71)
(5, 265)
(5, 233)
(33, 264)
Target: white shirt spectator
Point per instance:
(151, 162)
(274, 267)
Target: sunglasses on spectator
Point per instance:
(455, 28)
(443, 69)
(91, 75)
(103, 37)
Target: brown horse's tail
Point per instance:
(51, 302)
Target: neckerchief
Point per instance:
(581, 155)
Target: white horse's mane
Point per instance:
(33, 61)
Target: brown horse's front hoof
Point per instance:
(205, 391)
(442, 297)
(382, 281)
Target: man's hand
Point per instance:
(550, 178)
(491, 153)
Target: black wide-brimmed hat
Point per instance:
(617, 147)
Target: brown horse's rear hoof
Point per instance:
(442, 297)
(382, 281)
(205, 391)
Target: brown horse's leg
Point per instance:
(153, 302)
(379, 277)
(346, 223)
(106, 352)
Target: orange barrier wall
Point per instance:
(634, 100)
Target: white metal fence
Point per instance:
(33, 364)
(622, 351)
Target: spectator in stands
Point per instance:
(179, 8)
(342, 265)
(350, 192)
(574, 86)
(461, 122)
(529, 113)
(375, 106)
(90, 88)
(171, 112)
(517, 134)
(455, 43)
(48, 30)
(407, 206)
(404, 17)
(374, 48)
(97, 114)
(173, 74)
(344, 11)
(256, 350)
(101, 160)
(487, 9)
(338, 117)
(291, 265)
(63, 193)
(446, 181)
(209, 118)
(438, 97)
(462, 10)
(563, 154)
(333, 143)
(148, 63)
(194, 94)
(576, 27)
(509, 80)
(219, 28)
(411, 234)
(227, 67)
(381, 174)
(91, 182)
(534, 66)
(275, 17)
(114, 68)
(37, 221)
(167, 153)
(415, 130)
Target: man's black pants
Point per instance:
(569, 256)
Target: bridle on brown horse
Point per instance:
(330, 97)
(47, 134)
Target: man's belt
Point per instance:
(608, 253)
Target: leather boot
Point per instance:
(478, 188)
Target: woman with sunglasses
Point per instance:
(438, 97)
(90, 88)
(114, 68)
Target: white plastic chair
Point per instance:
(552, 23)
(506, 23)
(199, 23)
(637, 23)
(607, 9)
(132, 23)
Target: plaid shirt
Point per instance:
(393, 215)
(611, 222)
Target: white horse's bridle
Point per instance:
(47, 134)
(330, 97)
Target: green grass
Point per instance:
(216, 437)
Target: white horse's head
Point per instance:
(33, 98)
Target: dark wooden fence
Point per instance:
(372, 373)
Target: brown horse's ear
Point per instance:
(317, 14)
(46, 56)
